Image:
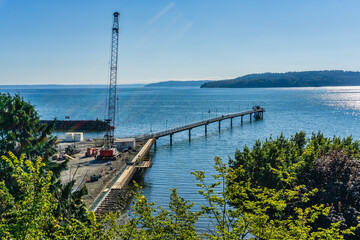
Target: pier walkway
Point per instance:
(109, 198)
(257, 111)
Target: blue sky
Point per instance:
(68, 41)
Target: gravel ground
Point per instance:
(81, 168)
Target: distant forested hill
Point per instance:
(177, 84)
(290, 79)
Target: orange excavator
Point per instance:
(91, 152)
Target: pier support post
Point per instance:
(250, 117)
(205, 129)
(219, 125)
(155, 144)
(170, 139)
(231, 122)
(241, 120)
(189, 134)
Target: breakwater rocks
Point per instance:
(78, 125)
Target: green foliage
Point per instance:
(325, 167)
(33, 216)
(251, 219)
(278, 163)
(149, 222)
(22, 133)
(30, 216)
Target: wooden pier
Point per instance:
(258, 112)
(109, 198)
(105, 202)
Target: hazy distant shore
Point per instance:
(47, 86)
(189, 83)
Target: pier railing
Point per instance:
(197, 124)
(105, 201)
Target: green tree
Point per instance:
(34, 215)
(22, 133)
(251, 219)
(150, 222)
(328, 165)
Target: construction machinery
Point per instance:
(91, 152)
(108, 151)
(71, 150)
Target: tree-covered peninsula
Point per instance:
(290, 79)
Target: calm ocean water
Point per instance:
(332, 110)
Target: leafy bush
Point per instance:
(34, 215)
(327, 167)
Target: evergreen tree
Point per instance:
(22, 133)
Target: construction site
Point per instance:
(106, 166)
(87, 169)
(102, 165)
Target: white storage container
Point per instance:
(78, 136)
(69, 137)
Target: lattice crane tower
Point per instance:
(109, 137)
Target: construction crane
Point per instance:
(108, 151)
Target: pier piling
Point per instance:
(187, 127)
(105, 201)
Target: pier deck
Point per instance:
(205, 122)
(108, 199)
(105, 202)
